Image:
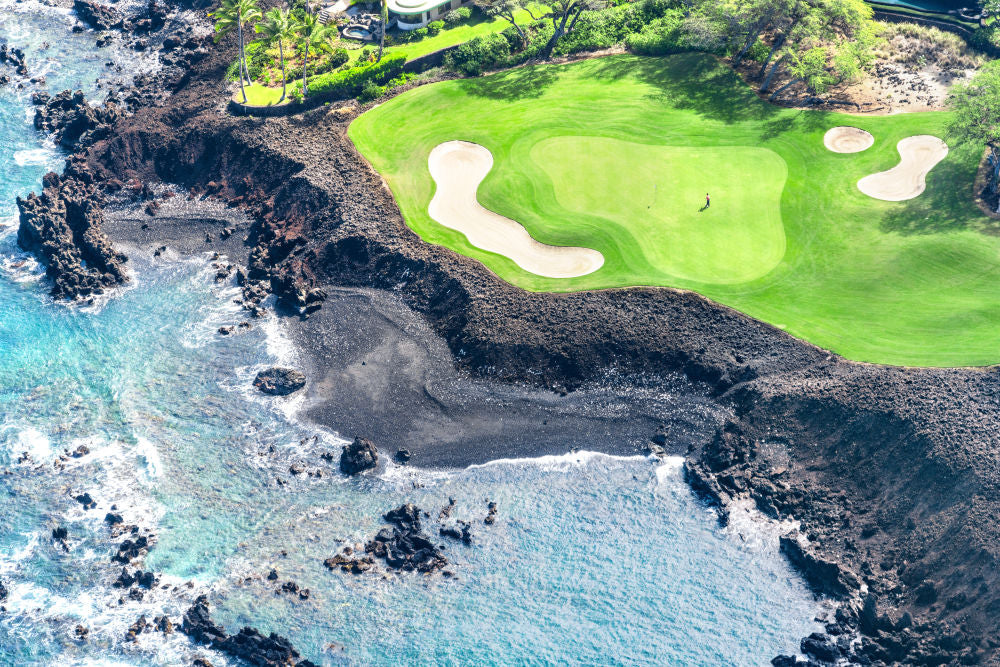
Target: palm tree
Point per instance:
(279, 25)
(385, 25)
(312, 33)
(234, 14)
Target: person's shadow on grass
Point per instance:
(702, 209)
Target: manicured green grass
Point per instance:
(261, 96)
(616, 154)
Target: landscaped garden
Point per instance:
(330, 53)
(617, 155)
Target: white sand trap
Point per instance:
(458, 167)
(846, 139)
(917, 156)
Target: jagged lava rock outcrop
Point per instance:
(63, 227)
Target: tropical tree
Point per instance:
(977, 118)
(507, 10)
(234, 14)
(564, 15)
(311, 33)
(385, 26)
(279, 26)
(803, 25)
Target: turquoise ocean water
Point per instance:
(593, 559)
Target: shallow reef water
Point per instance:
(136, 401)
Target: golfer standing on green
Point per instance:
(708, 200)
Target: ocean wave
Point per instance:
(30, 157)
(560, 462)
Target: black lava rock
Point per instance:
(279, 381)
(358, 456)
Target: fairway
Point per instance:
(616, 155)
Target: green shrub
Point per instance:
(659, 38)
(479, 54)
(758, 52)
(419, 33)
(434, 27)
(457, 15)
(257, 59)
(339, 57)
(608, 27)
(370, 91)
(350, 82)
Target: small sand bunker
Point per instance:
(458, 167)
(917, 156)
(846, 139)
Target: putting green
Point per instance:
(660, 190)
(616, 154)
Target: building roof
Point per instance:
(414, 6)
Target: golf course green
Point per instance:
(617, 154)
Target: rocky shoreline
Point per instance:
(892, 473)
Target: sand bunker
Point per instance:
(846, 139)
(917, 156)
(458, 167)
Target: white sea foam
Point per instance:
(36, 444)
(34, 157)
(149, 458)
(11, 560)
(560, 462)
(669, 469)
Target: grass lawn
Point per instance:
(617, 153)
(262, 96)
(476, 26)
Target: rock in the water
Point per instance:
(248, 645)
(71, 119)
(97, 16)
(279, 381)
(198, 624)
(63, 227)
(403, 456)
(358, 456)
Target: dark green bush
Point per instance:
(479, 54)
(337, 58)
(371, 91)
(257, 59)
(434, 27)
(758, 51)
(660, 37)
(350, 82)
(986, 38)
(419, 33)
(614, 25)
(457, 15)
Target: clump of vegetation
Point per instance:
(479, 55)
(457, 15)
(977, 108)
(350, 82)
(918, 45)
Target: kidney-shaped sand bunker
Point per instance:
(908, 179)
(458, 167)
